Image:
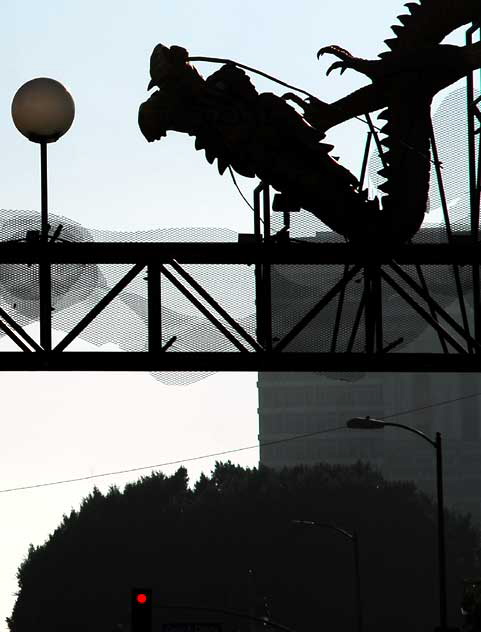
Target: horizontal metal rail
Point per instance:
(237, 361)
(461, 252)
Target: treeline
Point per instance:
(228, 543)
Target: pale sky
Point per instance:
(103, 174)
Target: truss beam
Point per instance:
(260, 354)
(236, 361)
(461, 252)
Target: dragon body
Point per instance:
(262, 135)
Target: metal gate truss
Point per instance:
(460, 348)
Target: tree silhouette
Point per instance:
(228, 543)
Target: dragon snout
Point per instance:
(150, 123)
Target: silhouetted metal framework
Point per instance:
(460, 343)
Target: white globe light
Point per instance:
(43, 110)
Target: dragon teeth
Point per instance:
(221, 165)
(210, 155)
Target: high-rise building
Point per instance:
(293, 404)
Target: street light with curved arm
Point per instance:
(355, 542)
(368, 423)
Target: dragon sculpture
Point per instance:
(262, 135)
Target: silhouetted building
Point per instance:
(299, 403)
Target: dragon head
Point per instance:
(179, 84)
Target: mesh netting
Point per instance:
(296, 289)
(450, 129)
(76, 289)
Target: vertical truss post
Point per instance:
(266, 271)
(266, 211)
(260, 328)
(44, 269)
(263, 270)
(474, 191)
(154, 307)
(449, 233)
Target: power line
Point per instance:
(177, 462)
(416, 410)
(224, 452)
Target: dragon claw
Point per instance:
(337, 65)
(321, 51)
(333, 49)
(346, 60)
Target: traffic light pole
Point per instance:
(141, 610)
(441, 535)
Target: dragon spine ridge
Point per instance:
(429, 22)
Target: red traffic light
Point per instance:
(141, 609)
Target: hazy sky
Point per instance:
(104, 175)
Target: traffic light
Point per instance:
(141, 610)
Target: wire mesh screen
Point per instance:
(122, 325)
(296, 289)
(451, 132)
(450, 126)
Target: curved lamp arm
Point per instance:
(369, 423)
(418, 432)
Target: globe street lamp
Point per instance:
(355, 542)
(368, 423)
(43, 110)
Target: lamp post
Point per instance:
(43, 110)
(355, 543)
(367, 423)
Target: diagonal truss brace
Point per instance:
(101, 305)
(203, 310)
(216, 307)
(436, 308)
